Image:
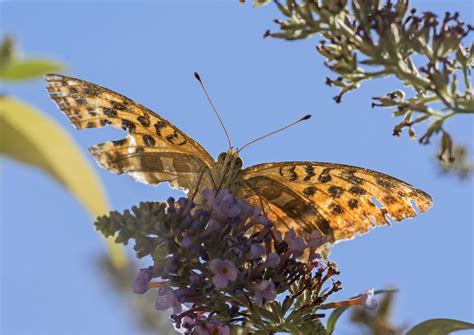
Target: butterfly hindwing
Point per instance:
(148, 166)
(346, 200)
(154, 151)
(284, 206)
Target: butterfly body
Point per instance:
(227, 170)
(335, 200)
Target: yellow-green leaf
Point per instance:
(26, 69)
(439, 327)
(258, 3)
(31, 138)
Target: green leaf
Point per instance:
(286, 305)
(266, 314)
(335, 315)
(27, 69)
(439, 327)
(7, 50)
(31, 138)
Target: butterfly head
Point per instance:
(227, 168)
(230, 160)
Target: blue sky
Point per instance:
(148, 51)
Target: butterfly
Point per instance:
(336, 201)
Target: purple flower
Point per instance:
(173, 263)
(183, 294)
(315, 240)
(212, 227)
(171, 208)
(318, 261)
(186, 242)
(256, 250)
(264, 290)
(195, 278)
(201, 214)
(296, 245)
(185, 206)
(368, 301)
(273, 259)
(140, 284)
(229, 207)
(167, 298)
(261, 219)
(248, 211)
(224, 271)
(212, 327)
(223, 204)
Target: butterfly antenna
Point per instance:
(198, 77)
(304, 118)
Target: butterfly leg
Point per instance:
(201, 175)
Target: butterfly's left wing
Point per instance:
(154, 150)
(337, 200)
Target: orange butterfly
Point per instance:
(333, 199)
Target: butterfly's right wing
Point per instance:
(338, 201)
(154, 150)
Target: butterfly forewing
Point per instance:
(154, 150)
(337, 200)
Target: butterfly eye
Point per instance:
(238, 163)
(222, 156)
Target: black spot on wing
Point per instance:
(110, 112)
(309, 191)
(176, 138)
(325, 177)
(335, 208)
(81, 101)
(118, 143)
(91, 91)
(91, 111)
(118, 106)
(144, 120)
(288, 172)
(354, 179)
(128, 126)
(309, 172)
(385, 183)
(158, 126)
(353, 203)
(148, 140)
(389, 199)
(105, 122)
(357, 190)
(335, 191)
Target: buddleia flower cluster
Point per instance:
(225, 266)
